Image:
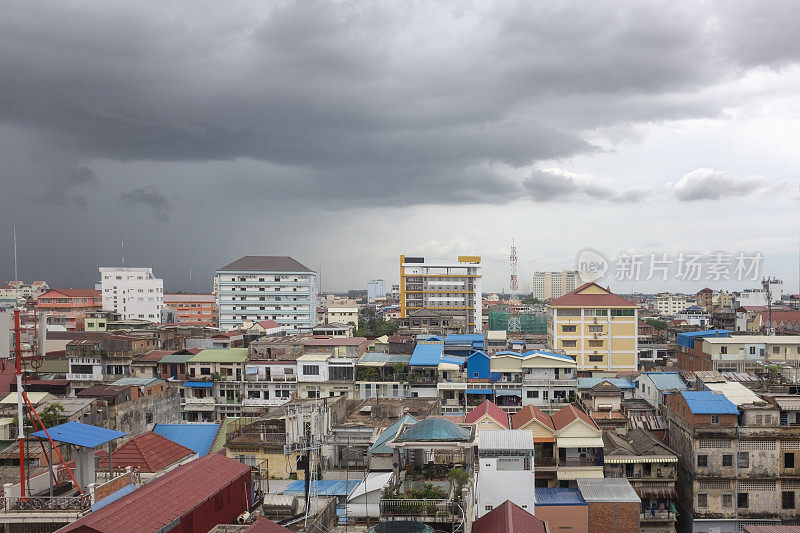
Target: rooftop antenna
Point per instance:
(15, 254)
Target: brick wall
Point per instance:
(609, 517)
(107, 489)
(693, 359)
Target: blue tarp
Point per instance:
(199, 384)
(324, 487)
(80, 434)
(197, 437)
(479, 391)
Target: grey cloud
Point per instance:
(557, 186)
(151, 198)
(710, 184)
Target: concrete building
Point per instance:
(670, 304)
(342, 315)
(193, 309)
(450, 290)
(376, 289)
(267, 288)
(505, 469)
(69, 307)
(595, 327)
(613, 505)
(548, 285)
(717, 350)
(134, 293)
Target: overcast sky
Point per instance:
(346, 133)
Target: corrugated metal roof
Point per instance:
(374, 481)
(33, 397)
(220, 355)
(385, 358)
(505, 439)
(137, 382)
(427, 355)
(616, 490)
(558, 496)
(508, 517)
(196, 437)
(324, 487)
(666, 380)
(707, 403)
(621, 383)
(175, 358)
(198, 384)
(80, 434)
(550, 354)
(735, 392)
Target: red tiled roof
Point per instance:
(268, 324)
(528, 413)
(335, 341)
(154, 355)
(508, 518)
(159, 502)
(785, 317)
(576, 298)
(74, 293)
(487, 408)
(149, 451)
(705, 291)
(568, 414)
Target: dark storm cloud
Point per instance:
(148, 197)
(557, 186)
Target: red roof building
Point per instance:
(581, 297)
(193, 497)
(149, 452)
(69, 307)
(569, 414)
(485, 414)
(521, 418)
(508, 518)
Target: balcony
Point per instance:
(429, 510)
(279, 378)
(71, 376)
(546, 382)
(263, 402)
(580, 461)
(199, 404)
(79, 504)
(657, 516)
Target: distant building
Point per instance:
(547, 285)
(451, 291)
(595, 327)
(376, 289)
(259, 288)
(193, 309)
(20, 289)
(341, 315)
(134, 293)
(69, 307)
(671, 304)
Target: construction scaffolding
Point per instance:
(529, 324)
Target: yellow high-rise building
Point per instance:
(596, 327)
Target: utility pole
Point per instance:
(20, 419)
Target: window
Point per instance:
(744, 459)
(702, 500)
(715, 419)
(489, 507)
(727, 459)
(596, 358)
(595, 344)
(533, 394)
(776, 350)
(742, 501)
(311, 370)
(148, 418)
(622, 312)
(569, 344)
(205, 371)
(723, 349)
(702, 460)
(569, 329)
(727, 500)
(788, 460)
(595, 329)
(787, 499)
(752, 350)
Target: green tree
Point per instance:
(660, 325)
(50, 416)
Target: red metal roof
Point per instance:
(568, 414)
(528, 413)
(154, 355)
(268, 324)
(578, 299)
(487, 408)
(159, 502)
(74, 293)
(508, 518)
(149, 451)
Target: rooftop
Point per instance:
(389, 433)
(616, 490)
(197, 437)
(220, 355)
(266, 263)
(591, 295)
(489, 409)
(433, 430)
(708, 403)
(666, 380)
(508, 518)
(528, 413)
(558, 496)
(149, 452)
(427, 355)
(505, 439)
(568, 414)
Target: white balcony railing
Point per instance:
(199, 404)
(84, 377)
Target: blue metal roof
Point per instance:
(508, 352)
(199, 384)
(479, 391)
(558, 496)
(430, 338)
(667, 380)
(427, 355)
(389, 433)
(324, 487)
(620, 383)
(197, 437)
(705, 402)
(80, 434)
(687, 339)
(453, 360)
(463, 338)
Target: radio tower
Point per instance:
(514, 324)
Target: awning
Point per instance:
(788, 404)
(640, 459)
(199, 384)
(544, 439)
(508, 392)
(371, 363)
(80, 434)
(448, 366)
(655, 492)
(571, 474)
(479, 391)
(580, 442)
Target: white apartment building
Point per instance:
(134, 293)
(376, 289)
(342, 315)
(671, 304)
(547, 285)
(505, 469)
(452, 290)
(259, 288)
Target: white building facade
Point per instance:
(376, 289)
(548, 285)
(505, 469)
(259, 288)
(134, 293)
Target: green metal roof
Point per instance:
(434, 429)
(221, 355)
(389, 433)
(175, 358)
